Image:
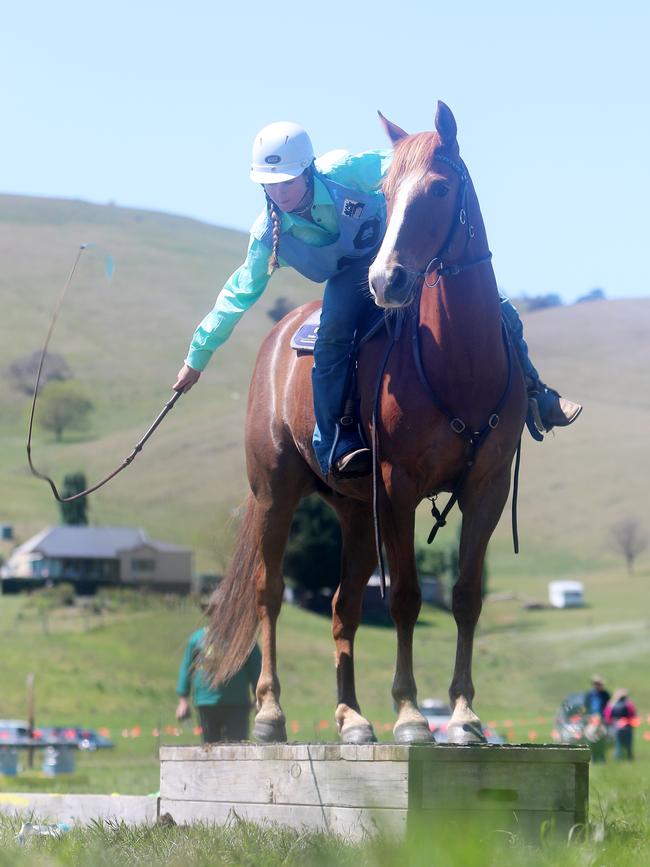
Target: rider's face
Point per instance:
(288, 194)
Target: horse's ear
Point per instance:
(394, 132)
(445, 124)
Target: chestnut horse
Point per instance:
(451, 406)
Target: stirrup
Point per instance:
(353, 465)
(534, 421)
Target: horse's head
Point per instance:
(423, 188)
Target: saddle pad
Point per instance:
(304, 338)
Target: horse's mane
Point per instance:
(411, 155)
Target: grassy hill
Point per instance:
(126, 339)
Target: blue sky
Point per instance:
(155, 104)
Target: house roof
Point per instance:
(96, 542)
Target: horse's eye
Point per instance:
(439, 190)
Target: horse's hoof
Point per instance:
(465, 733)
(358, 735)
(269, 731)
(413, 733)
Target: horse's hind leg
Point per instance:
(357, 564)
(481, 512)
(275, 512)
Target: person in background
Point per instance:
(597, 697)
(223, 710)
(619, 714)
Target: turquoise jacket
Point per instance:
(193, 681)
(362, 172)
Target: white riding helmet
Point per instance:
(281, 151)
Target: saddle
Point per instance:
(304, 337)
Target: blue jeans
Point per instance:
(347, 302)
(510, 316)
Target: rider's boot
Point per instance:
(338, 441)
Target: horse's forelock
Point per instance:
(411, 156)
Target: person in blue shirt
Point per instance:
(223, 710)
(597, 697)
(326, 218)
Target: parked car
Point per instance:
(574, 724)
(14, 731)
(438, 714)
(76, 736)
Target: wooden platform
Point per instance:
(79, 809)
(358, 790)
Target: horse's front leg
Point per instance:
(357, 563)
(405, 601)
(481, 512)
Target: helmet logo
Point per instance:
(273, 159)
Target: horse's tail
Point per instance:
(232, 609)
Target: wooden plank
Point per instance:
(285, 752)
(544, 753)
(79, 809)
(491, 785)
(352, 823)
(332, 783)
(528, 753)
(582, 793)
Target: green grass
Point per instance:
(617, 835)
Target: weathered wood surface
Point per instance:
(353, 823)
(331, 783)
(546, 753)
(79, 809)
(286, 752)
(475, 786)
(354, 790)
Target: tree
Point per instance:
(280, 308)
(64, 406)
(22, 372)
(629, 539)
(542, 302)
(430, 561)
(594, 295)
(75, 513)
(313, 556)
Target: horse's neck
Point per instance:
(460, 322)
(464, 314)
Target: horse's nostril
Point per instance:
(399, 278)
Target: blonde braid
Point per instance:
(275, 220)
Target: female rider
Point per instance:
(326, 218)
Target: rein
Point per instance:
(138, 446)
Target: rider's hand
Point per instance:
(182, 709)
(186, 378)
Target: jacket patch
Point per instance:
(352, 209)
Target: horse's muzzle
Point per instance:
(391, 287)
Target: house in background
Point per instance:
(92, 557)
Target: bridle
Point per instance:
(437, 265)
